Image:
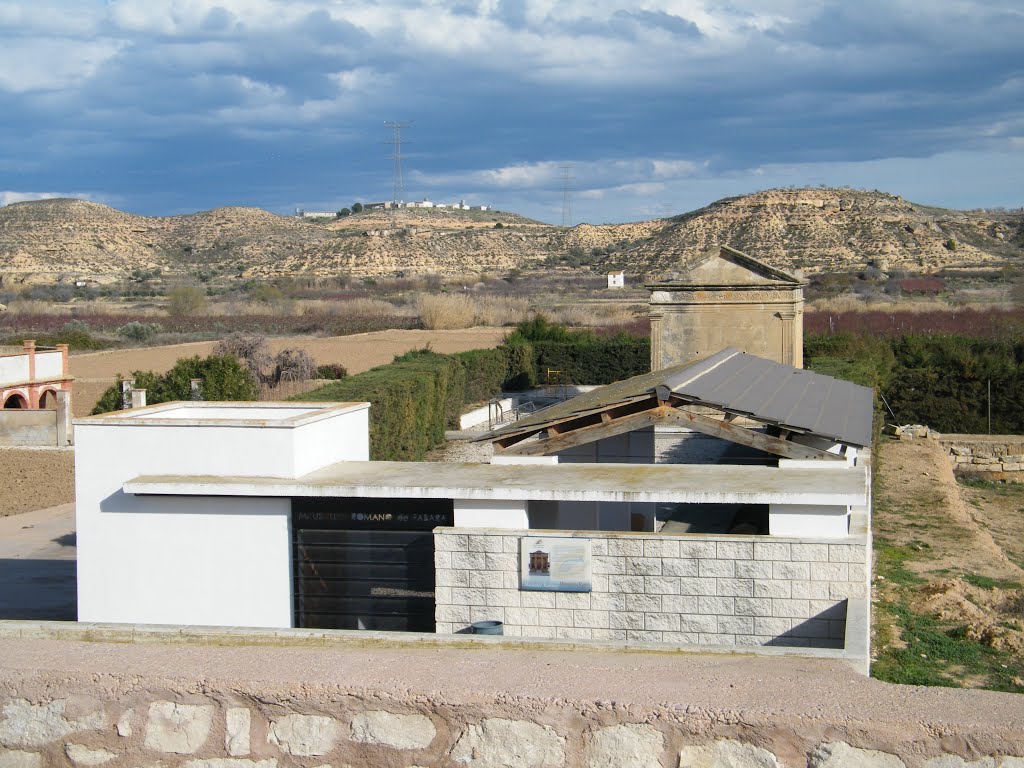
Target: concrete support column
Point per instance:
(491, 513)
(806, 521)
(126, 393)
(138, 398)
(31, 395)
(65, 429)
(63, 349)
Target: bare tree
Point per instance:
(252, 351)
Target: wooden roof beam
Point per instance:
(736, 434)
(589, 434)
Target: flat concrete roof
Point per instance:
(716, 484)
(208, 413)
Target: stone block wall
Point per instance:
(652, 588)
(985, 454)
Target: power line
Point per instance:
(567, 179)
(398, 190)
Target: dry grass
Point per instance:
(594, 315)
(497, 311)
(850, 303)
(34, 307)
(445, 311)
(361, 307)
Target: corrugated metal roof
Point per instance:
(736, 382)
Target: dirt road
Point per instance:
(95, 371)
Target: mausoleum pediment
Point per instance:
(728, 267)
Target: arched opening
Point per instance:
(48, 399)
(15, 401)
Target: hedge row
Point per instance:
(412, 401)
(596, 361)
(938, 380)
(415, 398)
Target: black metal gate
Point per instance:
(366, 563)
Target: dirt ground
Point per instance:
(949, 586)
(35, 478)
(95, 371)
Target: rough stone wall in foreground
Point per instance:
(990, 456)
(232, 730)
(650, 588)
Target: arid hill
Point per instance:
(812, 229)
(824, 230)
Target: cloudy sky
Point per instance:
(171, 106)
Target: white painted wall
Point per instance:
(483, 413)
(491, 513)
(825, 522)
(49, 365)
(319, 444)
(193, 559)
(13, 369)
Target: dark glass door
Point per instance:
(366, 563)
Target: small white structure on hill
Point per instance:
(617, 279)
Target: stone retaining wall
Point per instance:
(987, 455)
(146, 704)
(654, 588)
(221, 730)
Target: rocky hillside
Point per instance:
(822, 230)
(812, 229)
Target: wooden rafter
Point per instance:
(748, 437)
(587, 434)
(630, 417)
(574, 423)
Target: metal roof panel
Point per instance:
(734, 381)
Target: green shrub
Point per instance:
(186, 300)
(486, 372)
(75, 334)
(520, 369)
(136, 331)
(333, 371)
(593, 360)
(540, 328)
(223, 377)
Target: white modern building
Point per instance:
(271, 515)
(617, 279)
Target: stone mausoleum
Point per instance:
(726, 298)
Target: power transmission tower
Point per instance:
(398, 191)
(567, 180)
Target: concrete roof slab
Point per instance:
(717, 484)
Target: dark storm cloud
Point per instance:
(192, 104)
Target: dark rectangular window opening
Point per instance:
(360, 563)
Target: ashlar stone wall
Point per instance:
(653, 588)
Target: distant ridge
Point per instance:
(810, 229)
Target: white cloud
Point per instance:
(51, 63)
(8, 196)
(637, 189)
(615, 174)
